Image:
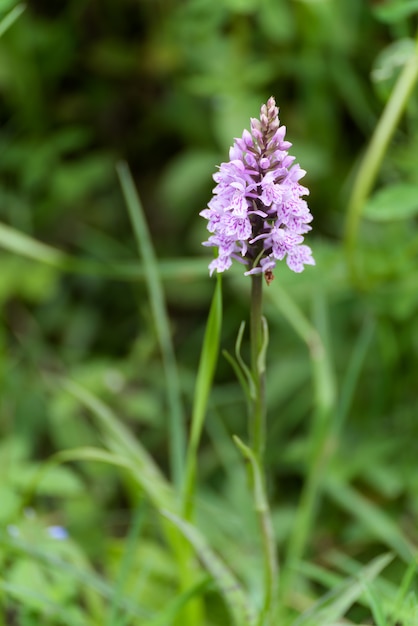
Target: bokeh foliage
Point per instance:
(166, 85)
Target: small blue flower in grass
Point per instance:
(57, 532)
(13, 531)
(257, 214)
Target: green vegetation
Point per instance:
(116, 344)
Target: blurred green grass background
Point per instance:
(165, 85)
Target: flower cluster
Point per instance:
(257, 214)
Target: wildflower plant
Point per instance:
(258, 216)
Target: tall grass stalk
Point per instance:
(27, 247)
(321, 444)
(373, 157)
(192, 613)
(207, 364)
(206, 369)
(11, 17)
(177, 421)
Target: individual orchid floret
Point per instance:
(257, 215)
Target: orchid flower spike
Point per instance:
(257, 215)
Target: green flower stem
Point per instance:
(271, 567)
(257, 429)
(267, 616)
(257, 414)
(373, 157)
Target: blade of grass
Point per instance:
(80, 572)
(322, 575)
(374, 605)
(228, 585)
(208, 358)
(405, 586)
(177, 436)
(20, 243)
(205, 373)
(147, 475)
(27, 597)
(353, 372)
(334, 604)
(28, 247)
(158, 492)
(129, 451)
(11, 17)
(171, 612)
(383, 589)
(323, 378)
(125, 566)
(324, 409)
(296, 318)
(370, 515)
(373, 157)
